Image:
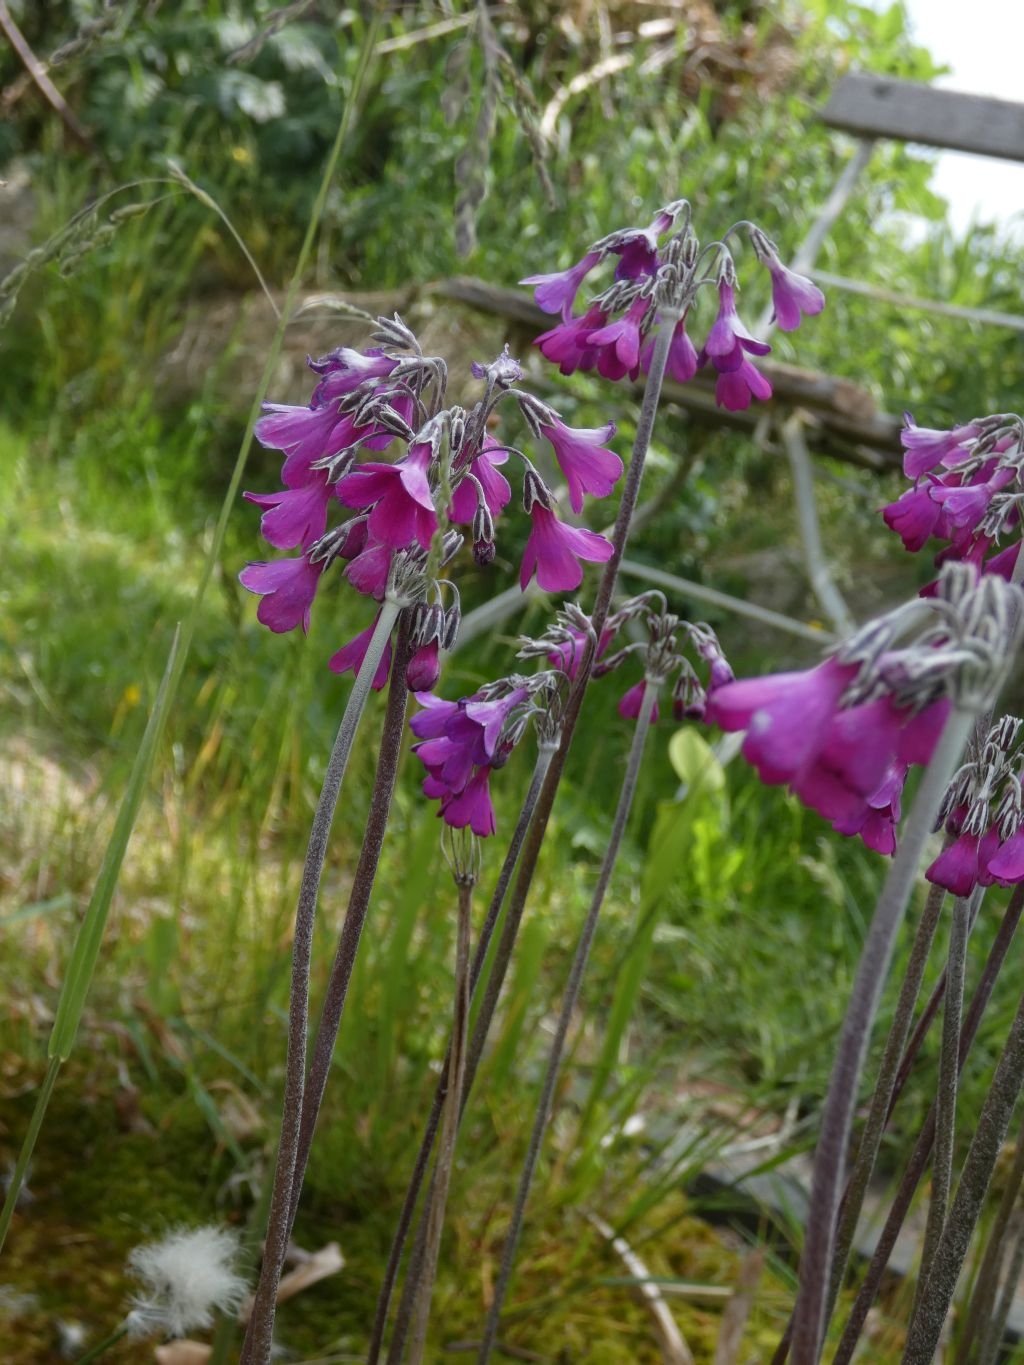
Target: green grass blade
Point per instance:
(90, 935)
(62, 902)
(27, 1148)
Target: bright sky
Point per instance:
(982, 42)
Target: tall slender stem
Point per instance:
(570, 998)
(412, 1193)
(837, 1116)
(993, 1340)
(449, 1129)
(986, 1284)
(891, 1073)
(946, 1094)
(922, 1148)
(363, 879)
(992, 1126)
(883, 1094)
(549, 788)
(256, 1347)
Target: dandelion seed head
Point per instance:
(188, 1276)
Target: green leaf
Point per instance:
(694, 762)
(87, 945)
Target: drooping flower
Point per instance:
(582, 457)
(568, 345)
(660, 275)
(842, 735)
(294, 517)
(287, 587)
(877, 821)
(349, 658)
(982, 817)
(734, 389)
(306, 435)
(368, 570)
(556, 293)
(793, 296)
(848, 764)
(424, 668)
(618, 343)
(728, 347)
(343, 370)
(966, 504)
(451, 461)
(786, 716)
(484, 479)
(460, 745)
(915, 516)
(926, 447)
(400, 496)
(729, 338)
(968, 489)
(633, 699)
(566, 650)
(682, 363)
(472, 806)
(554, 550)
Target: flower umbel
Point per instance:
(968, 489)
(463, 742)
(445, 471)
(843, 735)
(661, 272)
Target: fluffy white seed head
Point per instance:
(187, 1278)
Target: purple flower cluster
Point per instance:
(655, 278)
(842, 736)
(983, 813)
(847, 762)
(395, 513)
(462, 742)
(967, 491)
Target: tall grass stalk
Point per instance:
(815, 1275)
(572, 991)
(84, 955)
